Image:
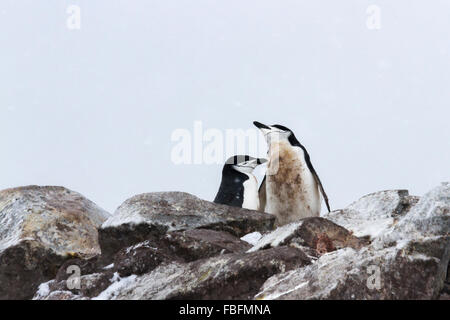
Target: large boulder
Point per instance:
(407, 259)
(142, 258)
(181, 246)
(320, 234)
(191, 245)
(230, 276)
(41, 227)
(151, 215)
(374, 213)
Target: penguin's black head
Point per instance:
(242, 163)
(279, 126)
(277, 132)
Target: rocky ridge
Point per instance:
(57, 245)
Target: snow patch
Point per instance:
(372, 215)
(144, 244)
(10, 222)
(277, 237)
(279, 294)
(43, 290)
(252, 238)
(114, 289)
(420, 256)
(126, 217)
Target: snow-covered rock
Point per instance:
(40, 227)
(182, 211)
(197, 244)
(142, 258)
(374, 213)
(226, 276)
(153, 214)
(387, 245)
(230, 276)
(310, 232)
(407, 259)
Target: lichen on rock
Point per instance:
(41, 227)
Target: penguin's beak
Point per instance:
(255, 162)
(261, 161)
(261, 126)
(264, 129)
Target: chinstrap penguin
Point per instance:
(239, 187)
(291, 188)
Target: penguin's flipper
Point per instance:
(262, 195)
(324, 195)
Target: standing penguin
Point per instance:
(291, 188)
(239, 187)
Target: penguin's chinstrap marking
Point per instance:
(239, 187)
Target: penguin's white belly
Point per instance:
(292, 191)
(251, 197)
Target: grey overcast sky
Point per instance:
(93, 109)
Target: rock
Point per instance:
(407, 258)
(149, 216)
(40, 228)
(86, 286)
(182, 211)
(429, 217)
(177, 246)
(113, 239)
(348, 274)
(387, 245)
(374, 213)
(230, 276)
(52, 290)
(62, 295)
(317, 233)
(86, 266)
(323, 244)
(117, 285)
(181, 246)
(445, 293)
(196, 244)
(139, 259)
(92, 285)
(94, 277)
